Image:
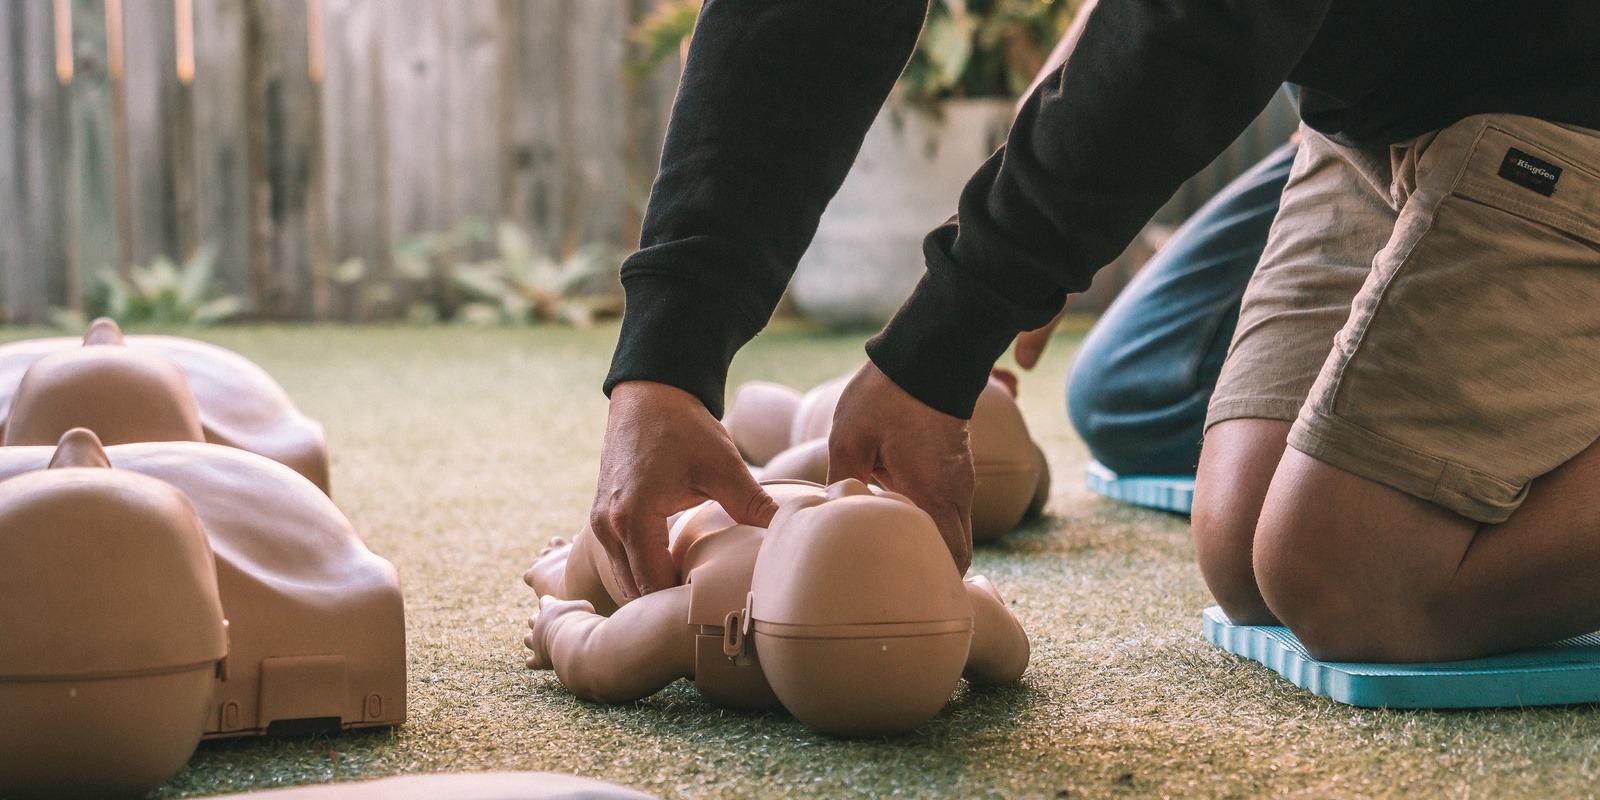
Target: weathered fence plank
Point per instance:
(354, 145)
(281, 125)
(597, 113)
(534, 136)
(414, 39)
(221, 141)
(156, 134)
(93, 206)
(32, 248)
(470, 157)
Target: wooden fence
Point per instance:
(295, 135)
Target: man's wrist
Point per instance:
(677, 333)
(941, 344)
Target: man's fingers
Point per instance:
(955, 525)
(645, 538)
(849, 458)
(616, 554)
(947, 497)
(1031, 344)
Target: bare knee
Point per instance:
(1350, 569)
(1236, 468)
(1223, 536)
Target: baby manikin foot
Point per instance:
(542, 626)
(547, 570)
(984, 585)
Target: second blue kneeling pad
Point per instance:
(1561, 673)
(1162, 492)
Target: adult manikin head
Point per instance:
(317, 625)
(150, 389)
(121, 394)
(113, 628)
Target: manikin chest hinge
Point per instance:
(736, 630)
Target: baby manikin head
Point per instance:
(859, 616)
(113, 631)
(123, 395)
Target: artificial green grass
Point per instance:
(457, 453)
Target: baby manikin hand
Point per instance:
(542, 626)
(548, 569)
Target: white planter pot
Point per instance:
(867, 254)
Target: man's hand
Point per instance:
(664, 452)
(882, 433)
(1030, 344)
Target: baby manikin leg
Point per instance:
(632, 654)
(999, 651)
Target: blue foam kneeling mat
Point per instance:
(1562, 673)
(1164, 492)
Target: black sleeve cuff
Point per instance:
(678, 333)
(942, 343)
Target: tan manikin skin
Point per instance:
(113, 632)
(316, 621)
(784, 434)
(160, 388)
(848, 612)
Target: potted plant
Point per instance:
(950, 110)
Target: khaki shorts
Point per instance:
(1428, 315)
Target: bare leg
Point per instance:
(1236, 467)
(632, 654)
(1361, 571)
(999, 646)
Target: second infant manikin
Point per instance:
(784, 434)
(848, 612)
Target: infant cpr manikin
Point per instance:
(848, 612)
(152, 388)
(784, 434)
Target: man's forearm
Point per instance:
(1152, 93)
(775, 100)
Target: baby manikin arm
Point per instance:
(632, 654)
(999, 651)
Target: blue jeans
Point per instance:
(1139, 388)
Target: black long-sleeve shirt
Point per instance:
(777, 96)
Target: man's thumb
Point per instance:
(847, 461)
(744, 500)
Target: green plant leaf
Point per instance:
(194, 279)
(350, 271)
(221, 309)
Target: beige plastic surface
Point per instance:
(236, 402)
(855, 557)
(1013, 480)
(112, 627)
(853, 605)
(1008, 465)
(122, 395)
(814, 418)
(759, 418)
(458, 786)
(316, 627)
(860, 616)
